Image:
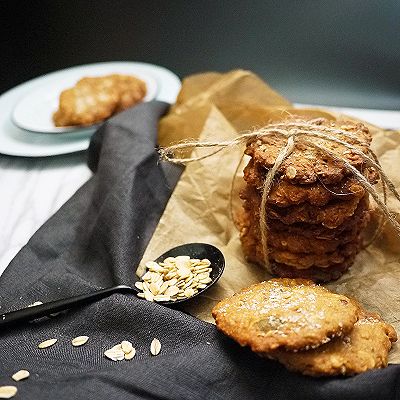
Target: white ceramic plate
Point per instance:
(34, 111)
(15, 141)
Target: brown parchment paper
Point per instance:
(199, 211)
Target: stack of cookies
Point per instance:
(316, 209)
(306, 327)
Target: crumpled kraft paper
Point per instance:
(199, 211)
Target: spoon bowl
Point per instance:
(193, 250)
(200, 251)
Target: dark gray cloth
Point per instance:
(96, 240)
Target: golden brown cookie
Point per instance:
(365, 347)
(94, 99)
(298, 241)
(89, 101)
(335, 271)
(285, 193)
(310, 165)
(308, 260)
(131, 90)
(360, 219)
(286, 241)
(330, 216)
(284, 314)
(317, 250)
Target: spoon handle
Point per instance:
(31, 313)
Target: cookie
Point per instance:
(285, 193)
(289, 314)
(88, 102)
(365, 347)
(309, 165)
(315, 274)
(94, 99)
(330, 215)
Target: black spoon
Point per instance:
(194, 250)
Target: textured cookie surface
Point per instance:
(365, 347)
(307, 164)
(285, 313)
(94, 99)
(330, 215)
(284, 193)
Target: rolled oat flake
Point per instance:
(6, 392)
(155, 347)
(79, 341)
(47, 343)
(20, 375)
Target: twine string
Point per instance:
(295, 133)
(283, 154)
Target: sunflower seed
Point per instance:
(203, 275)
(172, 282)
(188, 292)
(117, 347)
(155, 277)
(163, 288)
(203, 271)
(20, 375)
(139, 285)
(126, 346)
(6, 392)
(141, 295)
(184, 272)
(155, 347)
(188, 283)
(180, 273)
(146, 276)
(47, 343)
(148, 296)
(131, 354)
(182, 260)
(201, 286)
(114, 355)
(162, 297)
(154, 288)
(172, 291)
(154, 267)
(79, 341)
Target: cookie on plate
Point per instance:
(94, 99)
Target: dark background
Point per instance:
(323, 52)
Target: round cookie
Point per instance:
(289, 314)
(285, 193)
(316, 274)
(365, 347)
(312, 165)
(90, 100)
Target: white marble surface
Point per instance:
(33, 189)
